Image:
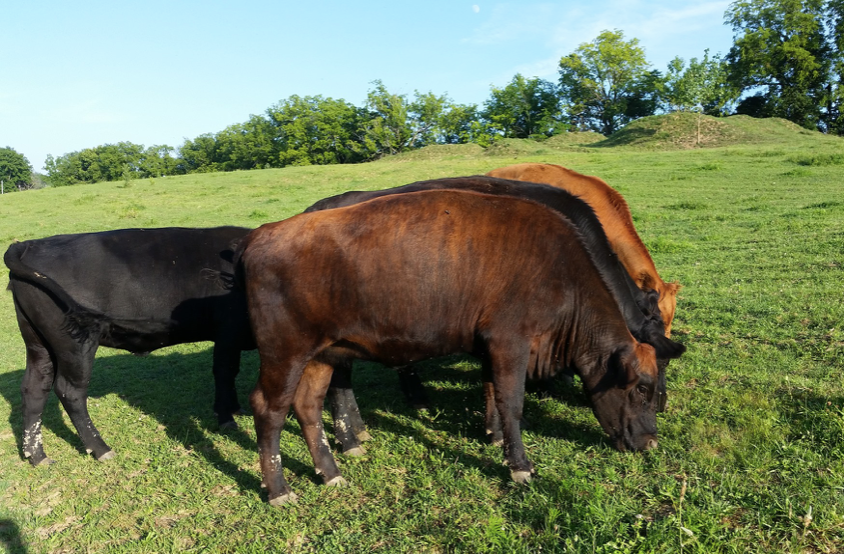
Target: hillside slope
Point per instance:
(678, 131)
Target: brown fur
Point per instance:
(418, 275)
(614, 213)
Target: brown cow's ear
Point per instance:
(624, 365)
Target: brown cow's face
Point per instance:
(668, 304)
(625, 399)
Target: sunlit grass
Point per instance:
(754, 427)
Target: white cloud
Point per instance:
(476, 8)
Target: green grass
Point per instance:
(751, 455)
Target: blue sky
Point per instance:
(80, 74)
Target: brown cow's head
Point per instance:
(624, 397)
(668, 304)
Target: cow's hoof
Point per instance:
(338, 481)
(521, 476)
(363, 436)
(355, 452)
(45, 461)
(229, 426)
(106, 456)
(279, 501)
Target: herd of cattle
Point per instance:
(533, 268)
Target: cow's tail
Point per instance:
(80, 320)
(239, 278)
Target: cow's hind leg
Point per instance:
(271, 400)
(35, 388)
(308, 402)
(508, 360)
(72, 378)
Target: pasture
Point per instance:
(751, 451)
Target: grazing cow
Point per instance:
(412, 276)
(612, 210)
(638, 307)
(133, 289)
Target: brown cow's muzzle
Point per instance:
(637, 444)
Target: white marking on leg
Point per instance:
(32, 439)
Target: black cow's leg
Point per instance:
(661, 385)
(73, 374)
(508, 363)
(308, 402)
(492, 419)
(226, 366)
(35, 388)
(412, 387)
(349, 429)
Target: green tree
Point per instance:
(701, 86)
(781, 50)
(425, 116)
(525, 108)
(388, 129)
(316, 130)
(608, 82)
(245, 146)
(461, 124)
(15, 170)
(198, 155)
(157, 161)
(833, 117)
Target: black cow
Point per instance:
(133, 289)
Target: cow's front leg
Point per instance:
(349, 429)
(412, 387)
(508, 363)
(226, 366)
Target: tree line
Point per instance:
(787, 60)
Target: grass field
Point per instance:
(751, 455)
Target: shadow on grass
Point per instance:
(10, 537)
(176, 389)
(456, 407)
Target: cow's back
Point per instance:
(167, 282)
(615, 216)
(409, 276)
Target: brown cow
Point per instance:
(413, 276)
(612, 210)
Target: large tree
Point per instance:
(783, 53)
(15, 170)
(608, 82)
(525, 108)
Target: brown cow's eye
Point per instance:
(643, 389)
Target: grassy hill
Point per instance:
(751, 455)
(688, 130)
